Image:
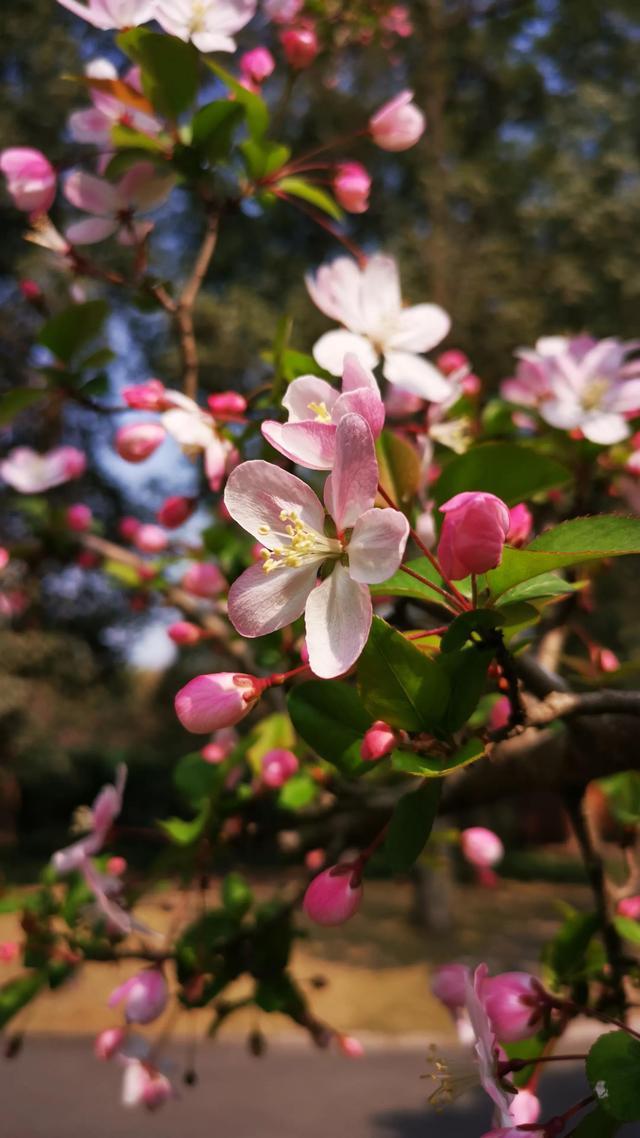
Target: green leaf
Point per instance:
(436, 766)
(280, 994)
(411, 825)
(466, 674)
(398, 683)
(460, 630)
(297, 792)
(73, 328)
(13, 402)
(17, 993)
(197, 779)
(272, 731)
(613, 1071)
(628, 929)
(262, 157)
(597, 1124)
(623, 796)
(182, 831)
(543, 587)
(125, 138)
(169, 69)
(299, 188)
(566, 954)
(403, 585)
(237, 895)
(513, 471)
(531, 1048)
(399, 466)
(213, 127)
(332, 719)
(256, 109)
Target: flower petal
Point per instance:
(310, 444)
(93, 195)
(262, 602)
(354, 480)
(362, 402)
(256, 494)
(337, 619)
(91, 230)
(381, 300)
(377, 545)
(331, 349)
(420, 328)
(605, 429)
(417, 376)
(335, 290)
(189, 430)
(304, 391)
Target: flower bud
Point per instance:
(148, 396)
(128, 528)
(278, 766)
(473, 533)
(175, 510)
(398, 124)
(257, 65)
(315, 859)
(448, 984)
(109, 1042)
(452, 360)
(629, 907)
(300, 46)
(500, 714)
(116, 866)
(481, 847)
(605, 660)
(4, 557)
(138, 441)
(379, 740)
(157, 1091)
(203, 579)
(145, 996)
(31, 179)
(227, 403)
(78, 517)
(332, 898)
(184, 632)
(9, 951)
(220, 699)
(520, 524)
(525, 1108)
(471, 385)
(350, 1046)
(352, 185)
(513, 1003)
(150, 539)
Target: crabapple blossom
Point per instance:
(203, 579)
(227, 404)
(352, 185)
(398, 124)
(473, 533)
(209, 24)
(379, 740)
(31, 179)
(145, 996)
(220, 699)
(148, 396)
(135, 442)
(300, 45)
(629, 907)
(31, 473)
(116, 866)
(144, 1085)
(257, 65)
(78, 517)
(104, 811)
(448, 984)
(333, 896)
(605, 660)
(278, 766)
(513, 1003)
(107, 14)
(109, 1042)
(315, 408)
(368, 303)
(114, 206)
(150, 539)
(282, 11)
(500, 714)
(196, 433)
(4, 557)
(520, 524)
(184, 632)
(452, 360)
(481, 847)
(175, 510)
(95, 124)
(525, 1108)
(284, 514)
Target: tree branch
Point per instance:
(183, 309)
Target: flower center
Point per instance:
(452, 1080)
(594, 393)
(320, 411)
(198, 21)
(299, 544)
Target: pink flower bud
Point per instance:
(397, 21)
(9, 951)
(109, 1042)
(448, 984)
(473, 533)
(137, 441)
(145, 996)
(128, 528)
(116, 866)
(4, 557)
(398, 124)
(629, 907)
(481, 847)
(78, 517)
(157, 1091)
(350, 1046)
(227, 403)
(513, 1003)
(31, 179)
(203, 579)
(300, 46)
(257, 65)
(220, 699)
(471, 385)
(525, 1108)
(500, 713)
(379, 740)
(605, 660)
(352, 185)
(149, 396)
(332, 898)
(520, 524)
(175, 511)
(452, 360)
(278, 766)
(314, 860)
(213, 753)
(184, 632)
(32, 292)
(150, 539)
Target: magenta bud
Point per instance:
(74, 461)
(128, 528)
(204, 579)
(138, 441)
(398, 124)
(350, 1046)
(448, 985)
(31, 291)
(452, 360)
(220, 699)
(174, 511)
(109, 1042)
(145, 996)
(300, 46)
(379, 740)
(116, 866)
(471, 385)
(5, 557)
(78, 517)
(227, 403)
(473, 533)
(605, 660)
(352, 185)
(157, 1091)
(150, 539)
(149, 396)
(481, 847)
(500, 714)
(332, 898)
(514, 1005)
(257, 65)
(184, 632)
(629, 907)
(31, 179)
(520, 524)
(278, 766)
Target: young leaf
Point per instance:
(15, 994)
(13, 402)
(297, 792)
(512, 471)
(411, 825)
(597, 1124)
(255, 108)
(613, 1071)
(263, 157)
(398, 683)
(195, 778)
(213, 126)
(332, 719)
(623, 796)
(169, 69)
(73, 328)
(183, 832)
(436, 766)
(237, 896)
(466, 673)
(299, 188)
(628, 929)
(404, 585)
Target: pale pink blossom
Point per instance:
(136, 442)
(184, 632)
(143, 1084)
(514, 1005)
(282, 11)
(300, 45)
(149, 538)
(209, 24)
(114, 206)
(95, 124)
(257, 65)
(284, 514)
(145, 996)
(481, 847)
(473, 533)
(397, 21)
(220, 699)
(485, 1046)
(379, 740)
(334, 895)
(368, 303)
(398, 124)
(196, 433)
(352, 185)
(107, 14)
(204, 579)
(278, 766)
(31, 473)
(31, 179)
(109, 1042)
(315, 408)
(449, 985)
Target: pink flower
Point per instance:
(398, 21)
(368, 303)
(379, 740)
(150, 539)
(300, 46)
(144, 1085)
(629, 907)
(104, 811)
(352, 185)
(148, 396)
(350, 1046)
(128, 528)
(473, 533)
(32, 473)
(95, 124)
(221, 746)
(31, 179)
(513, 1003)
(333, 896)
(520, 524)
(184, 632)
(174, 511)
(481, 847)
(257, 65)
(220, 699)
(525, 1108)
(203, 579)
(145, 996)
(453, 360)
(135, 442)
(109, 1042)
(78, 517)
(605, 660)
(315, 408)
(449, 985)
(485, 1047)
(9, 951)
(282, 11)
(284, 514)
(5, 557)
(227, 404)
(107, 14)
(114, 205)
(398, 124)
(278, 766)
(209, 25)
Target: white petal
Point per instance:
(420, 328)
(187, 429)
(418, 376)
(304, 391)
(331, 349)
(261, 602)
(256, 494)
(605, 429)
(377, 545)
(337, 620)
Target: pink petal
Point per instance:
(355, 375)
(419, 329)
(362, 402)
(258, 492)
(90, 126)
(335, 290)
(90, 231)
(189, 429)
(337, 619)
(143, 186)
(304, 391)
(310, 444)
(331, 349)
(418, 376)
(261, 602)
(93, 195)
(381, 300)
(121, 992)
(354, 481)
(377, 545)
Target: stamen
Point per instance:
(320, 411)
(301, 545)
(451, 1081)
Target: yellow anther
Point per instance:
(320, 411)
(264, 530)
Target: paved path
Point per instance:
(56, 1089)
